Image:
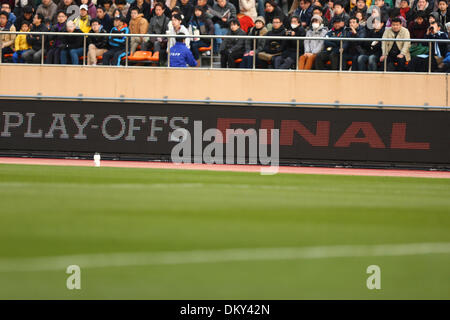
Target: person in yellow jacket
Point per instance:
(83, 21)
(21, 44)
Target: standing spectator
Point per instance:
(54, 51)
(444, 13)
(273, 47)
(138, 25)
(369, 61)
(200, 24)
(116, 44)
(83, 21)
(92, 10)
(332, 49)
(34, 55)
(158, 25)
(180, 55)
(48, 9)
(11, 16)
(20, 44)
(7, 39)
(313, 47)
(272, 11)
(288, 57)
(104, 19)
(355, 48)
(97, 45)
(248, 8)
(71, 45)
(232, 49)
(26, 16)
(252, 53)
(223, 12)
(395, 52)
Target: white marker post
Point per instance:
(97, 159)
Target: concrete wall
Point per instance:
(260, 85)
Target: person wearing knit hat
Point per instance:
(312, 47)
(261, 19)
(251, 53)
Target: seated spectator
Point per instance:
(6, 39)
(288, 57)
(122, 5)
(6, 7)
(406, 11)
(176, 27)
(92, 10)
(26, 16)
(361, 18)
(54, 50)
(304, 12)
(332, 49)
(312, 47)
(417, 30)
(143, 8)
(317, 11)
(71, 45)
(328, 12)
(422, 5)
(200, 24)
(116, 44)
(18, 7)
(438, 51)
(138, 25)
(34, 55)
(20, 43)
(272, 11)
(339, 13)
(251, 53)
(104, 19)
(444, 13)
(248, 8)
(222, 11)
(180, 55)
(108, 5)
(369, 60)
(382, 8)
(158, 25)
(395, 13)
(48, 9)
(395, 52)
(273, 47)
(187, 10)
(83, 21)
(97, 45)
(360, 6)
(355, 48)
(166, 10)
(67, 7)
(232, 49)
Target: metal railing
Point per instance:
(341, 41)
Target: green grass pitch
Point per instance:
(55, 211)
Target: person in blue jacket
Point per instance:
(116, 44)
(180, 55)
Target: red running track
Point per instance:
(228, 167)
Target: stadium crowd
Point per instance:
(333, 19)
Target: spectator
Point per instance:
(232, 49)
(206, 7)
(360, 6)
(26, 16)
(158, 25)
(123, 7)
(444, 13)
(438, 51)
(187, 10)
(317, 11)
(251, 53)
(328, 12)
(332, 49)
(405, 11)
(304, 12)
(288, 57)
(34, 55)
(361, 18)
(383, 9)
(339, 13)
(54, 51)
(200, 25)
(138, 25)
(97, 45)
(166, 10)
(176, 27)
(83, 21)
(6, 39)
(395, 52)
(417, 30)
(355, 48)
(273, 47)
(92, 10)
(312, 47)
(143, 8)
(272, 11)
(248, 8)
(71, 45)
(369, 61)
(222, 12)
(108, 5)
(423, 5)
(20, 44)
(67, 6)
(19, 5)
(180, 55)
(116, 44)
(6, 7)
(395, 13)
(48, 9)
(104, 19)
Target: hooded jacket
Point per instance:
(315, 46)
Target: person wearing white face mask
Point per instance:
(312, 47)
(289, 49)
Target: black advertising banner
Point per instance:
(394, 136)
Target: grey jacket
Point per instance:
(315, 46)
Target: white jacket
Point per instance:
(248, 7)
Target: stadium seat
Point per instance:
(141, 56)
(204, 49)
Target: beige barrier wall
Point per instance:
(260, 85)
